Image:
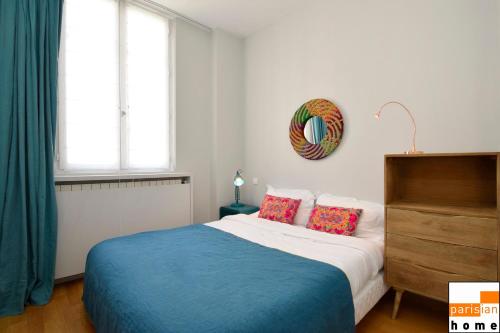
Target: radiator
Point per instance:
(92, 211)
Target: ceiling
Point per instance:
(240, 17)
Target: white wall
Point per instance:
(228, 119)
(210, 113)
(440, 58)
(194, 113)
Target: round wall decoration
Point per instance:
(316, 129)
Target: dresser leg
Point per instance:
(397, 300)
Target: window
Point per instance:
(114, 95)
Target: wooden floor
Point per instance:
(416, 314)
(65, 313)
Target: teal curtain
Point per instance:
(29, 44)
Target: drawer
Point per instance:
(459, 259)
(462, 230)
(421, 280)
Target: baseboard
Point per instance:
(69, 278)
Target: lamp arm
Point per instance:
(413, 147)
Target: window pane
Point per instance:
(91, 92)
(147, 88)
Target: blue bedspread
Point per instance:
(200, 279)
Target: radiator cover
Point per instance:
(92, 211)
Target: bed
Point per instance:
(239, 274)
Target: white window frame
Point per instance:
(123, 105)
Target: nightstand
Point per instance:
(231, 210)
(441, 222)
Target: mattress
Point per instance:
(201, 279)
(368, 296)
(159, 281)
(359, 258)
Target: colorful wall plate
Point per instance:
(335, 128)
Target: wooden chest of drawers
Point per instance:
(441, 221)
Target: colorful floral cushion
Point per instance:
(334, 220)
(279, 209)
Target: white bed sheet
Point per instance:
(360, 259)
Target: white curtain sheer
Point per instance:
(90, 130)
(147, 87)
(114, 87)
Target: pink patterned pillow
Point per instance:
(334, 220)
(279, 209)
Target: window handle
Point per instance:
(123, 113)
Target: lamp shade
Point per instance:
(238, 180)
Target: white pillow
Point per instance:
(327, 199)
(371, 222)
(306, 205)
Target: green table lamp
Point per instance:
(238, 181)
